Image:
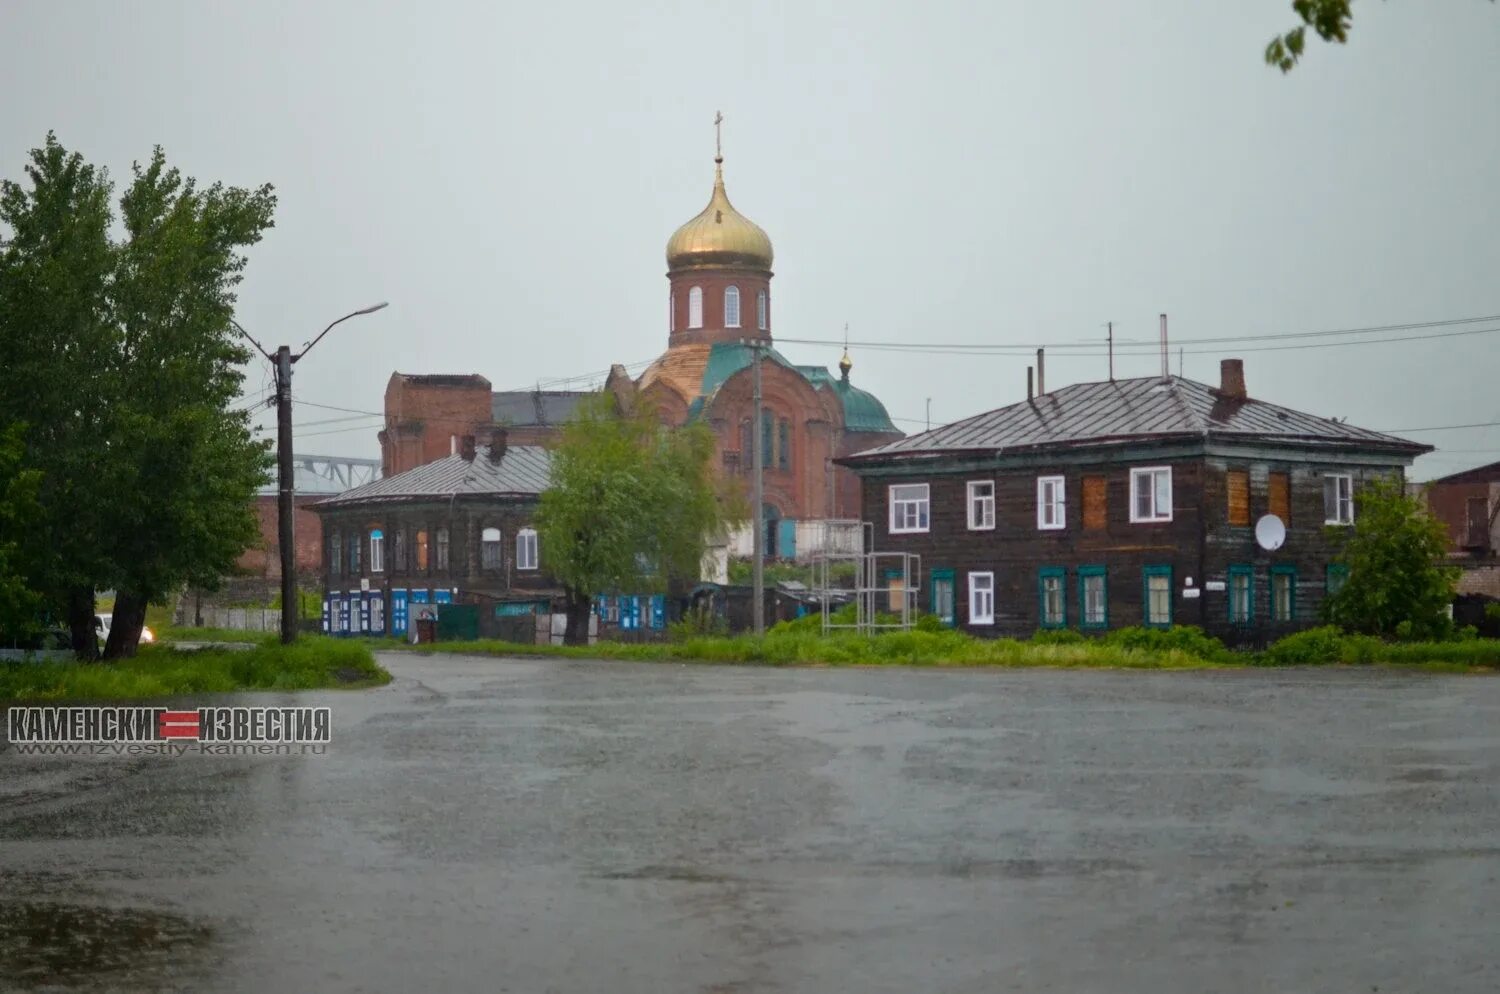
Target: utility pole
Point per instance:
(285, 511)
(757, 467)
(929, 414)
(1111, 352)
(285, 486)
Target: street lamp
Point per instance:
(285, 491)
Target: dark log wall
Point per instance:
(465, 523)
(1198, 543)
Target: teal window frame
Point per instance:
(1339, 570)
(1248, 572)
(1147, 572)
(933, 579)
(1290, 572)
(1061, 576)
(1084, 572)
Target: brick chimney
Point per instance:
(498, 446)
(466, 448)
(1232, 379)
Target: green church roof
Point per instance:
(862, 411)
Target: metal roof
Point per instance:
(1489, 473)
(521, 408)
(1145, 409)
(524, 471)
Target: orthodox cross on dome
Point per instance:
(718, 137)
(846, 364)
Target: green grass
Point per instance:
(172, 634)
(951, 649)
(314, 662)
(801, 643)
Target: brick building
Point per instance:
(1468, 503)
(1128, 502)
(719, 315)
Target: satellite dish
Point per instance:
(1270, 533)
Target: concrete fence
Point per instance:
(242, 619)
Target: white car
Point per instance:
(101, 622)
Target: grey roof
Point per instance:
(524, 471)
(1145, 409)
(535, 407)
(1478, 474)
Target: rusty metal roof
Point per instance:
(1145, 409)
(524, 471)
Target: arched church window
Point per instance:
(760, 310)
(671, 312)
(695, 307)
(732, 307)
(767, 439)
(784, 445)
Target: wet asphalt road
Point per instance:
(536, 826)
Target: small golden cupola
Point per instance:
(720, 237)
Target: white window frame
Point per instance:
(1342, 502)
(1138, 473)
(1056, 508)
(762, 311)
(485, 541)
(921, 513)
(982, 599)
(984, 521)
(695, 307)
(527, 554)
(377, 551)
(731, 313)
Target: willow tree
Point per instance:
(630, 507)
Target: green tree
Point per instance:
(184, 466)
(1329, 19)
(630, 506)
(121, 358)
(56, 263)
(20, 512)
(1393, 554)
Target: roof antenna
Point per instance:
(1111, 341)
(1166, 371)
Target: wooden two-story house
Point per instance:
(460, 529)
(1127, 502)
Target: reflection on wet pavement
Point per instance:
(536, 826)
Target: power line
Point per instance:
(1149, 346)
(1013, 351)
(1481, 424)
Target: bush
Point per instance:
(1187, 639)
(930, 623)
(1057, 636)
(696, 622)
(1316, 645)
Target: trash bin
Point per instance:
(427, 629)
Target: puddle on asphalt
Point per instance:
(71, 944)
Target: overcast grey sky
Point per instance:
(507, 174)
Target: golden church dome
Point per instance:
(719, 237)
